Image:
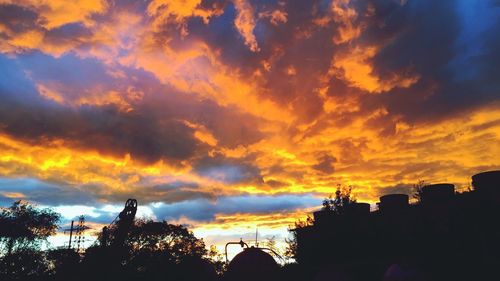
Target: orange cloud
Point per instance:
(276, 17)
(343, 15)
(245, 23)
(317, 101)
(12, 195)
(165, 11)
(57, 13)
(354, 66)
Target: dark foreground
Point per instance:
(444, 236)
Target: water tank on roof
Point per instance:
(487, 181)
(358, 209)
(437, 192)
(323, 217)
(252, 264)
(393, 202)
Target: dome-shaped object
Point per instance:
(197, 269)
(252, 264)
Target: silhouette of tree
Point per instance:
(23, 226)
(151, 251)
(342, 199)
(217, 260)
(417, 190)
(24, 264)
(291, 248)
(337, 204)
(22, 229)
(271, 244)
(161, 251)
(63, 262)
(176, 240)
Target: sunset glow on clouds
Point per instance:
(233, 115)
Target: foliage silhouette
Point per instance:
(342, 199)
(23, 226)
(152, 251)
(417, 190)
(63, 263)
(292, 246)
(176, 240)
(24, 264)
(332, 206)
(217, 260)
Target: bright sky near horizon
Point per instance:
(232, 115)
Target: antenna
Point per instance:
(76, 234)
(80, 233)
(256, 237)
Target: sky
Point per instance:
(228, 116)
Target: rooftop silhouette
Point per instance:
(444, 236)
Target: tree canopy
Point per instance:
(23, 226)
(176, 240)
(342, 199)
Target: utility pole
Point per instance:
(70, 234)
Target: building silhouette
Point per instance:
(445, 236)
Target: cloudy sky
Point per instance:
(232, 115)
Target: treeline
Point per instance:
(152, 251)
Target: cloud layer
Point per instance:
(213, 112)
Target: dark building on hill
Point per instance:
(445, 236)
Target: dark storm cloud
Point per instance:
(352, 150)
(168, 193)
(222, 35)
(325, 164)
(399, 189)
(444, 43)
(69, 34)
(40, 192)
(429, 38)
(296, 44)
(228, 170)
(17, 19)
(56, 194)
(275, 183)
(23, 26)
(205, 210)
(154, 129)
(99, 96)
(104, 129)
(453, 55)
